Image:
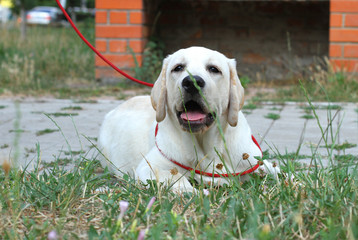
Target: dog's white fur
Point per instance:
(127, 135)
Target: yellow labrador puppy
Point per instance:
(190, 125)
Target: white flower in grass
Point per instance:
(52, 235)
(206, 192)
(151, 202)
(123, 206)
(141, 234)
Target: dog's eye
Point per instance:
(179, 68)
(213, 69)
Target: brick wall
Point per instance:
(343, 35)
(119, 25)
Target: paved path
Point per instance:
(25, 130)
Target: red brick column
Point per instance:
(343, 34)
(119, 25)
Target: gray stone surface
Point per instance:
(79, 132)
(73, 133)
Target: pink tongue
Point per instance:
(192, 116)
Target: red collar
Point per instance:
(216, 175)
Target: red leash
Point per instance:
(97, 52)
(216, 175)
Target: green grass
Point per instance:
(4, 146)
(59, 162)
(346, 158)
(46, 131)
(50, 58)
(17, 131)
(34, 203)
(288, 156)
(73, 152)
(317, 107)
(74, 108)
(321, 80)
(249, 106)
(151, 66)
(85, 101)
(275, 109)
(55, 61)
(307, 116)
(342, 146)
(61, 114)
(329, 86)
(273, 116)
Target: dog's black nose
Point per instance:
(189, 86)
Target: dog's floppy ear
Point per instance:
(159, 93)
(236, 95)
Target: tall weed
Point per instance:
(323, 82)
(151, 66)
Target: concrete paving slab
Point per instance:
(71, 122)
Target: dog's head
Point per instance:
(196, 85)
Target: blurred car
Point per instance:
(44, 16)
(5, 14)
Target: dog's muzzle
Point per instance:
(194, 115)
